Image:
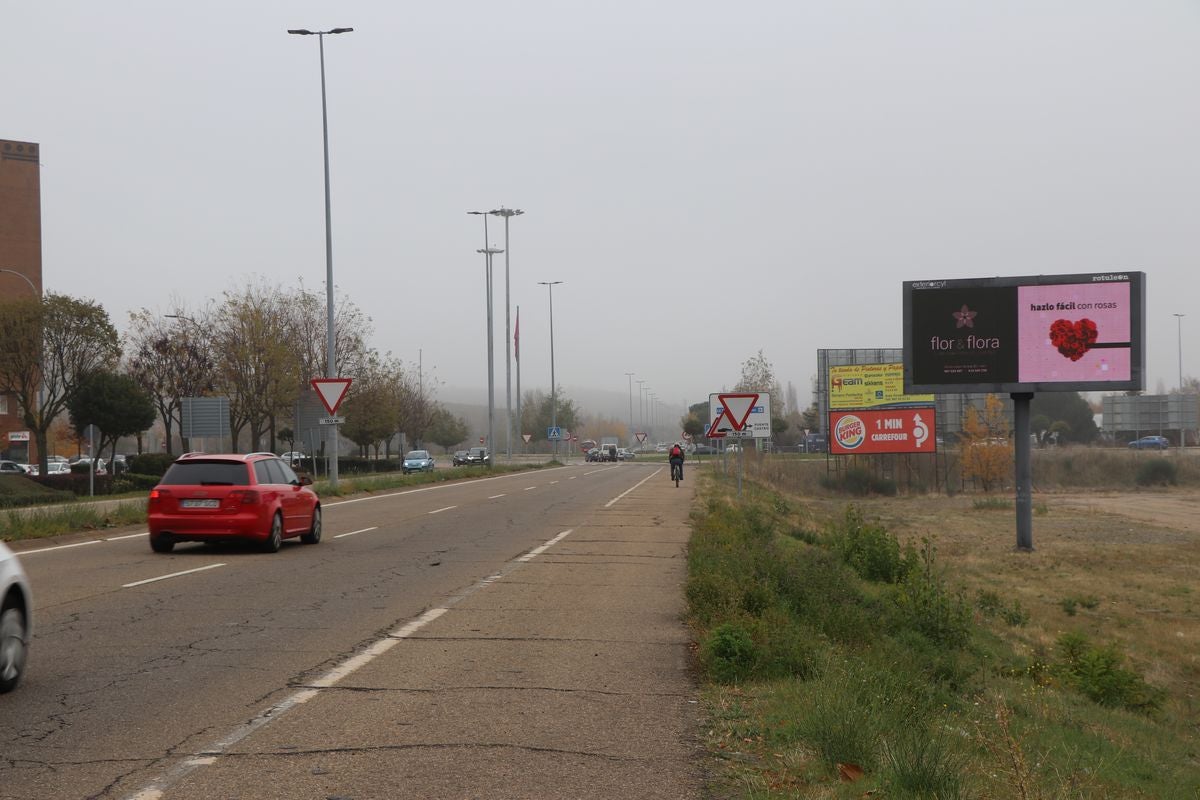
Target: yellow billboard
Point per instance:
(871, 385)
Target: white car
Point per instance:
(12, 468)
(58, 468)
(15, 623)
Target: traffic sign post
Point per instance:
(739, 415)
(331, 391)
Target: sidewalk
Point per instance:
(568, 677)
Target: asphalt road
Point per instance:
(513, 636)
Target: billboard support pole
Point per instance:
(1024, 471)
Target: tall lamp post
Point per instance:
(508, 348)
(553, 386)
(330, 351)
(631, 436)
(488, 252)
(1179, 326)
(641, 416)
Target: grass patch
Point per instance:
(904, 688)
(44, 522)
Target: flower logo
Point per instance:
(965, 318)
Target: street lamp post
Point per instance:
(488, 252)
(1179, 327)
(330, 351)
(507, 213)
(553, 386)
(641, 415)
(631, 436)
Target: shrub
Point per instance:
(868, 548)
(1157, 472)
(928, 606)
(728, 652)
(151, 463)
(860, 483)
(1096, 672)
(919, 763)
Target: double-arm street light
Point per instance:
(553, 386)
(488, 252)
(330, 352)
(508, 347)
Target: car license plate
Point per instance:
(200, 504)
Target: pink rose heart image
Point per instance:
(1073, 339)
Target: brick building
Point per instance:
(20, 262)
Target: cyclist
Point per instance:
(676, 458)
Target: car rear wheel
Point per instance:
(161, 544)
(314, 533)
(12, 648)
(274, 539)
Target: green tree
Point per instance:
(1068, 407)
(47, 345)
(536, 417)
(447, 430)
(114, 403)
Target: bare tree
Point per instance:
(170, 360)
(256, 362)
(46, 347)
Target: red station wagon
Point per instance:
(213, 498)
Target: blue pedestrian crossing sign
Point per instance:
(554, 433)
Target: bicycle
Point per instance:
(676, 473)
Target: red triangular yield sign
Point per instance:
(737, 407)
(715, 431)
(331, 391)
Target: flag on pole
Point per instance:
(517, 336)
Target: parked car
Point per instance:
(58, 468)
(704, 450)
(459, 458)
(1150, 443)
(16, 606)
(295, 458)
(213, 498)
(13, 468)
(479, 455)
(417, 461)
(593, 454)
(624, 454)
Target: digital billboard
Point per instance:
(1027, 334)
(871, 385)
(891, 430)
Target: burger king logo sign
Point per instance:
(850, 432)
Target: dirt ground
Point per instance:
(1121, 567)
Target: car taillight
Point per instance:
(245, 497)
(156, 495)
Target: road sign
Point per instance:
(641, 436)
(331, 391)
(332, 420)
(900, 430)
(526, 437)
(554, 434)
(739, 415)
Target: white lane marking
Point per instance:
(493, 497)
(527, 488)
(593, 472)
(631, 488)
(130, 536)
(172, 575)
(573, 477)
(360, 530)
(24, 553)
(553, 482)
(440, 510)
(157, 787)
(537, 551)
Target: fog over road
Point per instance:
(518, 635)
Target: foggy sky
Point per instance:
(707, 179)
